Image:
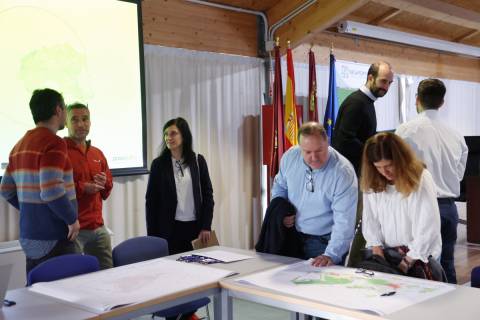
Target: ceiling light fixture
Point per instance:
(366, 30)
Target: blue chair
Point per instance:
(145, 248)
(475, 277)
(64, 266)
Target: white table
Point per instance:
(35, 306)
(459, 304)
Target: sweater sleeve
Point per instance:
(8, 189)
(109, 183)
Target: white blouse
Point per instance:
(390, 219)
(183, 184)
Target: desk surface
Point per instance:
(459, 304)
(32, 305)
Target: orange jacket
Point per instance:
(85, 166)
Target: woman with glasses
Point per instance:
(400, 209)
(179, 199)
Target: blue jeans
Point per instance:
(313, 245)
(449, 218)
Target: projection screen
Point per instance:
(89, 50)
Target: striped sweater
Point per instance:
(39, 182)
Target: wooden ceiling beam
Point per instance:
(281, 9)
(384, 17)
(438, 10)
(316, 18)
(467, 35)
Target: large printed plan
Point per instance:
(375, 292)
(134, 283)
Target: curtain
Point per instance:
(220, 96)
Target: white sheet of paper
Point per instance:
(104, 290)
(346, 288)
(224, 256)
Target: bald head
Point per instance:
(379, 78)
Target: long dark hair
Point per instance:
(187, 151)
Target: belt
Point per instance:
(446, 200)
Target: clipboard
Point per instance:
(198, 244)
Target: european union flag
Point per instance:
(332, 102)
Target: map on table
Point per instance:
(376, 292)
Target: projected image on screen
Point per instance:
(89, 50)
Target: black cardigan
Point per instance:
(356, 122)
(161, 196)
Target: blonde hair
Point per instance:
(389, 146)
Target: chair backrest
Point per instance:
(475, 277)
(63, 266)
(139, 249)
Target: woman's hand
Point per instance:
(377, 250)
(406, 264)
(204, 236)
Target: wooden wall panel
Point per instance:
(405, 60)
(180, 24)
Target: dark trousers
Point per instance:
(62, 247)
(449, 219)
(181, 241)
(182, 236)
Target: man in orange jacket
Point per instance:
(93, 183)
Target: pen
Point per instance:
(387, 294)
(8, 303)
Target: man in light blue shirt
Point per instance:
(322, 186)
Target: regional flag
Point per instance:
(291, 121)
(312, 88)
(278, 147)
(332, 102)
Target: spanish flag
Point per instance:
(291, 121)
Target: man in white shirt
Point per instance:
(444, 152)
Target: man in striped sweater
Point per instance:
(38, 181)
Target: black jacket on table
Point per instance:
(356, 122)
(161, 197)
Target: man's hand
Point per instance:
(73, 230)
(92, 187)
(100, 179)
(289, 221)
(322, 261)
(204, 236)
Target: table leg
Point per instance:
(223, 306)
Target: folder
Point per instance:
(198, 244)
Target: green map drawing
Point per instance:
(374, 284)
(60, 64)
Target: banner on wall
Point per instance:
(350, 77)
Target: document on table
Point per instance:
(376, 292)
(134, 283)
(224, 256)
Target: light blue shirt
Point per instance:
(331, 208)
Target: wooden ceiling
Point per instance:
(451, 20)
